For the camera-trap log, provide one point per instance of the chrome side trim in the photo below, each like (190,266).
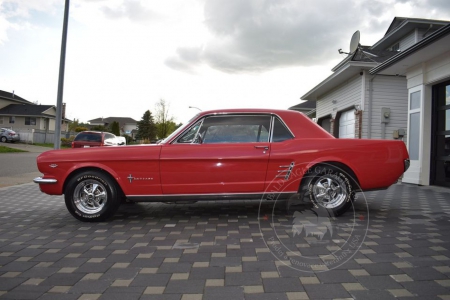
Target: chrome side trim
(286,173)
(272,122)
(40,180)
(208,197)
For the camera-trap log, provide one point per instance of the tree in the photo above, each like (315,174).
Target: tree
(115,128)
(146,127)
(78,126)
(100,128)
(164,122)
(171,127)
(80,129)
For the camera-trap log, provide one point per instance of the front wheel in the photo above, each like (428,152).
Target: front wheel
(91,196)
(331,188)
(3,139)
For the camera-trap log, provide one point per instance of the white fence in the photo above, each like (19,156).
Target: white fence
(33,136)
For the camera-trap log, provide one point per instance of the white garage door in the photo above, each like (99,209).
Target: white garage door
(347,125)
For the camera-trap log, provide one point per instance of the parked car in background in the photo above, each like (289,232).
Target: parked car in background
(121,140)
(225,154)
(88,139)
(8,135)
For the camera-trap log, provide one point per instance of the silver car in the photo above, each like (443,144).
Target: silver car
(8,135)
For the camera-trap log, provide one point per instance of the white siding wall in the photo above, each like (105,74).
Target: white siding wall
(129,127)
(52,124)
(391,92)
(408,40)
(430,72)
(346,95)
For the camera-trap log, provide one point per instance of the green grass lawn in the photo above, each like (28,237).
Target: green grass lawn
(4,149)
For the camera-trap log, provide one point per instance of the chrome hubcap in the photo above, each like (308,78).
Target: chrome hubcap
(90,196)
(330,191)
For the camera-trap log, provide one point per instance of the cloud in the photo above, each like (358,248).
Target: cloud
(133,10)
(23,14)
(262,35)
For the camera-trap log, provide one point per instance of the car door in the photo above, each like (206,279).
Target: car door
(219,154)
(282,162)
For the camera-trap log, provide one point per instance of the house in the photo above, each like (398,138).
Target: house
(126,125)
(398,88)
(20,114)
(306,107)
(426,66)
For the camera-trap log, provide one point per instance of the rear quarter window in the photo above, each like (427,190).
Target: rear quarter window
(88,137)
(280,132)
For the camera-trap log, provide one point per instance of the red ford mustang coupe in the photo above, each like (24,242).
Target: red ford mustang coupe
(224,154)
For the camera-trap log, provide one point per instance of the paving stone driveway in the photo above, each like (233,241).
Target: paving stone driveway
(214,250)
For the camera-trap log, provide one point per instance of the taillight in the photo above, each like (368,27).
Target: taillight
(73,145)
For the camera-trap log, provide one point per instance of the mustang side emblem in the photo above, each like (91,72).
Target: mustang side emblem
(53,165)
(131,178)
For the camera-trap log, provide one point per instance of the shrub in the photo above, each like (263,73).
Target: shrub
(67,142)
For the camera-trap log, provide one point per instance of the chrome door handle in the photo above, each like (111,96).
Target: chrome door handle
(262,147)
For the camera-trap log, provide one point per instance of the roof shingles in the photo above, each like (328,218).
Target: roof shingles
(25,110)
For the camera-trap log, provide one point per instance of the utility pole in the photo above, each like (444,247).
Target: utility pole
(62,63)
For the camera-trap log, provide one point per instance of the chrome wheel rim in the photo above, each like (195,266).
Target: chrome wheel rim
(90,196)
(330,191)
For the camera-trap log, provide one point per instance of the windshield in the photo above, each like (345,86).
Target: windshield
(179,129)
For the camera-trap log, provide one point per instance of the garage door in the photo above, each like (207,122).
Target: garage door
(347,125)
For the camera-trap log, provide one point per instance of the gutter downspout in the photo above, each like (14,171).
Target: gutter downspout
(369,125)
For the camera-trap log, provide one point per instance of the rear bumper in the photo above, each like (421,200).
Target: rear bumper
(407,164)
(13,138)
(40,180)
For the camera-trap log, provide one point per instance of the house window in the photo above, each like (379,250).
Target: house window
(1,120)
(30,121)
(395,47)
(12,120)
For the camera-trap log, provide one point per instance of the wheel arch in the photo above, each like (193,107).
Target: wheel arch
(78,171)
(353,178)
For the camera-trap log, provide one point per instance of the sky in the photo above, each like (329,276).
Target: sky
(123,56)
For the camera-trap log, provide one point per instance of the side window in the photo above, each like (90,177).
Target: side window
(280,132)
(190,136)
(235,129)
(80,137)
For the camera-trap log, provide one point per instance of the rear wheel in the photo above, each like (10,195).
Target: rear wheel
(330,188)
(3,139)
(91,196)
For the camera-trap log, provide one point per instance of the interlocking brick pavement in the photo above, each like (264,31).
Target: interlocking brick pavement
(214,250)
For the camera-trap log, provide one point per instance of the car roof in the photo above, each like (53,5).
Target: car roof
(88,131)
(300,125)
(247,110)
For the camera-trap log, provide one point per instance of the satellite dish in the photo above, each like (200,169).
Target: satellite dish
(354,42)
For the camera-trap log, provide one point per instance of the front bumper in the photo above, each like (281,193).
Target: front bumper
(40,180)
